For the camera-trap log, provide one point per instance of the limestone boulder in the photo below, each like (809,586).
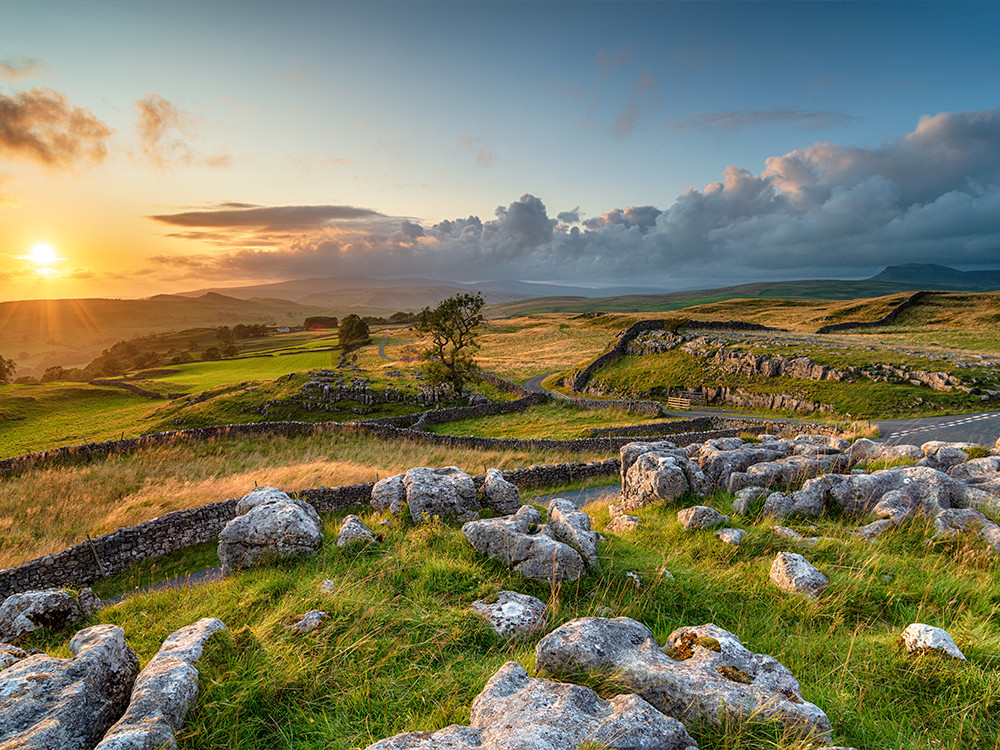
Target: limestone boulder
(978,470)
(572,526)
(718,463)
(747,497)
(164,692)
(447,492)
(353,530)
(513,615)
(968,520)
(660,475)
(499,495)
(805,445)
(629,452)
(518,712)
(792,470)
(700,517)
(921,638)
(524,543)
(621,522)
(47,702)
(272,528)
(793,574)
(11,654)
(864,450)
(702,673)
(26,612)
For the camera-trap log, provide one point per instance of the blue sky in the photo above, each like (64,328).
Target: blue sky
(156,146)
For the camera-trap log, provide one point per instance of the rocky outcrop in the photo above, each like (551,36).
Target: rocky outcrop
(513,615)
(11,654)
(499,495)
(789,471)
(164,692)
(353,530)
(653,472)
(270,525)
(516,712)
(447,493)
(47,702)
(968,521)
(702,674)
(794,574)
(920,639)
(25,613)
(524,543)
(865,450)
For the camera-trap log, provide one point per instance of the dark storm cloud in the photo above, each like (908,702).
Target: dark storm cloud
(932,195)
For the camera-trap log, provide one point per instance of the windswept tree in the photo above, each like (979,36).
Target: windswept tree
(353,332)
(7,368)
(453,326)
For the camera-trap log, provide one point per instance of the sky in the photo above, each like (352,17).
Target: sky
(154,147)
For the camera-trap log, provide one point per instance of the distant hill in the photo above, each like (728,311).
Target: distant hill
(73,331)
(892,280)
(931,276)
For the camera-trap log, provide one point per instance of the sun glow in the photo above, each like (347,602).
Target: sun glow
(43,254)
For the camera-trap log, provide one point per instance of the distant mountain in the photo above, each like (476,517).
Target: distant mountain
(931,276)
(336,290)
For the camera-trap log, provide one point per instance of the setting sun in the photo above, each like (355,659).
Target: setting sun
(43,254)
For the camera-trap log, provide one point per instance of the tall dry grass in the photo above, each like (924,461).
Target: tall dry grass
(47,510)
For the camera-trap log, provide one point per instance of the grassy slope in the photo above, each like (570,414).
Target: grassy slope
(403,652)
(46,510)
(555,419)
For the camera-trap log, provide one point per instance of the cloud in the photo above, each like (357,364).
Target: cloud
(479,147)
(15,68)
(741,119)
(43,127)
(930,196)
(165,134)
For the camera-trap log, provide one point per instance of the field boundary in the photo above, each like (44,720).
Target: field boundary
(889,317)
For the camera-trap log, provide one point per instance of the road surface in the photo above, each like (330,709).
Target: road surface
(983,429)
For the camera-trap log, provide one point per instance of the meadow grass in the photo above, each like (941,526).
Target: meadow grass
(45,510)
(402,651)
(557,420)
(48,415)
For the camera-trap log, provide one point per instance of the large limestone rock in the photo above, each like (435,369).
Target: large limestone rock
(513,615)
(572,526)
(920,638)
(968,520)
(67,703)
(271,526)
(24,613)
(164,692)
(518,712)
(792,470)
(653,472)
(863,450)
(447,492)
(500,495)
(806,445)
(523,543)
(794,574)
(723,457)
(702,674)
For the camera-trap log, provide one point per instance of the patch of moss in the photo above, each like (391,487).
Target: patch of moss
(684,648)
(734,674)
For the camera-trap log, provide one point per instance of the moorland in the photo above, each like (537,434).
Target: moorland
(401,650)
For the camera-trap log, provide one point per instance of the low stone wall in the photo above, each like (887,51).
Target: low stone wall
(884,320)
(646,408)
(105,555)
(580,378)
(504,385)
(698,424)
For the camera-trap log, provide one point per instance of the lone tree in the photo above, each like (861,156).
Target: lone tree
(353,332)
(453,326)
(7,368)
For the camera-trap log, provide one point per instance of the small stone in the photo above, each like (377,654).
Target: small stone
(308,622)
(513,615)
(792,534)
(635,579)
(920,638)
(352,530)
(328,587)
(666,573)
(796,575)
(700,517)
(622,524)
(731,536)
